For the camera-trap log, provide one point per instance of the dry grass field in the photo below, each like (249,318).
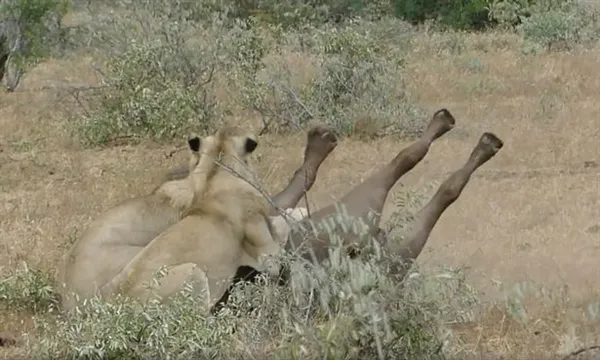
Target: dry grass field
(529,218)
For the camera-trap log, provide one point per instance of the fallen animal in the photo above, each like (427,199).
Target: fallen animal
(365,202)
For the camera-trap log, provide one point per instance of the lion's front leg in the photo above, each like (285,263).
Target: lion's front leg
(178,276)
(136,281)
(260,245)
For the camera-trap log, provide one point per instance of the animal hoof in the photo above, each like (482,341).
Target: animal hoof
(321,140)
(491,142)
(488,145)
(441,122)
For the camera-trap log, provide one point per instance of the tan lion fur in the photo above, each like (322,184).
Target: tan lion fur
(117,235)
(227,226)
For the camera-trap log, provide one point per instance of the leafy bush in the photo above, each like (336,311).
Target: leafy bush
(549,24)
(28,31)
(347,309)
(298,14)
(158,81)
(27,289)
(562,26)
(357,85)
(464,15)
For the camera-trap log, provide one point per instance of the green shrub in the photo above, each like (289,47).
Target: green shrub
(464,15)
(29,30)
(28,289)
(158,80)
(549,24)
(562,26)
(297,14)
(347,309)
(145,98)
(357,86)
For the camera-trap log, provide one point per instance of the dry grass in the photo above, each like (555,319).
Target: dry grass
(531,214)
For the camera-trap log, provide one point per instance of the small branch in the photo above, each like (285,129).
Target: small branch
(298,101)
(98,70)
(239,176)
(173,152)
(305,196)
(72,87)
(75,96)
(581,351)
(281,212)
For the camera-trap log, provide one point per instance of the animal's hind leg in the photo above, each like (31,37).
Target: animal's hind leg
(177,277)
(366,200)
(370,195)
(489,144)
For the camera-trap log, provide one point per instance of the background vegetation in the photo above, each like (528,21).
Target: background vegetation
(165,67)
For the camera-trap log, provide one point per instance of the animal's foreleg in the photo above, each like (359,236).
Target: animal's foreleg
(447,193)
(321,141)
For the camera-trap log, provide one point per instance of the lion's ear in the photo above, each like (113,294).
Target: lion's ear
(194,143)
(250,145)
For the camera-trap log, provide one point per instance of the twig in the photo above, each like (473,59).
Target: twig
(298,101)
(305,195)
(259,189)
(71,87)
(581,351)
(112,140)
(173,152)
(97,69)
(75,96)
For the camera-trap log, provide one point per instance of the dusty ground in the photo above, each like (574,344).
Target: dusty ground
(531,214)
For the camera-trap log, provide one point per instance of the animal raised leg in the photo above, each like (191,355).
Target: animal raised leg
(321,141)
(418,233)
(368,198)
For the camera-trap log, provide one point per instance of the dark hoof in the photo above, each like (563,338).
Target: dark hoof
(445,116)
(488,145)
(490,142)
(321,140)
(441,122)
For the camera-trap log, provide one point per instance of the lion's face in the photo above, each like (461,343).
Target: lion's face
(228,141)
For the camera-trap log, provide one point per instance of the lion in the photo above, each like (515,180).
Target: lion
(227,226)
(113,239)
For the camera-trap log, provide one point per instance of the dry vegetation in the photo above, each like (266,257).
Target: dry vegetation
(99,122)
